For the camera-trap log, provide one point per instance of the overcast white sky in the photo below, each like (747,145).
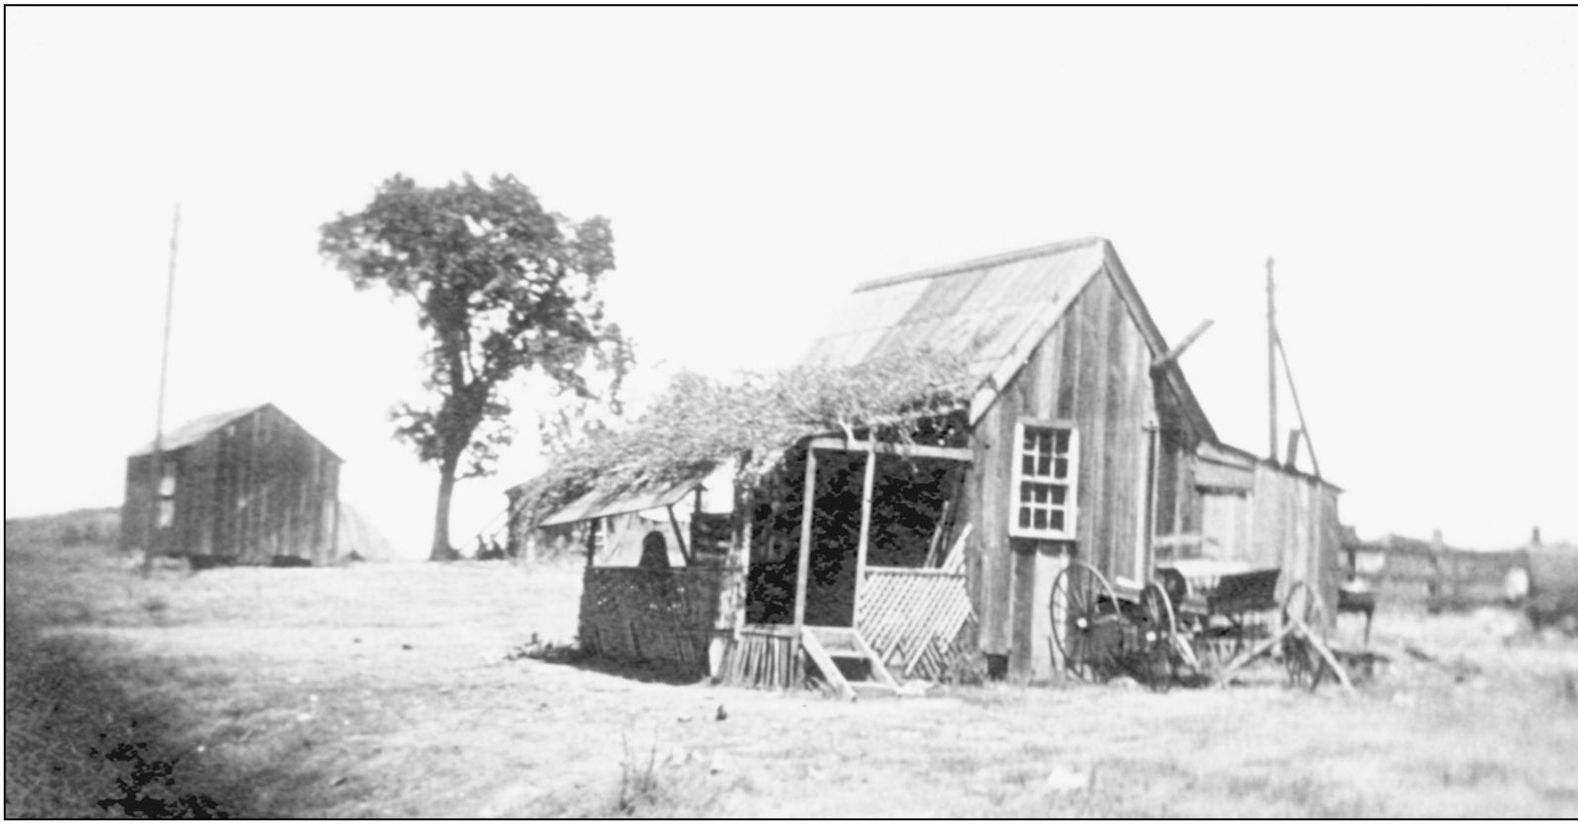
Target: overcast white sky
(1413,173)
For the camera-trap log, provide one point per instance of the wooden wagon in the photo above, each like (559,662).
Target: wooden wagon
(1200,619)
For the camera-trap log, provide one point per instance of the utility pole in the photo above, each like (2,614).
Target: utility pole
(1271,360)
(164,371)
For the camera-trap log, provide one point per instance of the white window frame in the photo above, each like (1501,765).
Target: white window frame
(168,478)
(1070,506)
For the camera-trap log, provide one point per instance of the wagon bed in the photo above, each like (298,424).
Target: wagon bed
(1208,617)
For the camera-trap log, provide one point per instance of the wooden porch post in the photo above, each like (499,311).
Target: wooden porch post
(806,508)
(865,532)
(733,582)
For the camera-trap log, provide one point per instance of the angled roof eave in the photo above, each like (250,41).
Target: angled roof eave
(195,430)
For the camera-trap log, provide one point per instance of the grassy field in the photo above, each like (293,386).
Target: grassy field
(393,690)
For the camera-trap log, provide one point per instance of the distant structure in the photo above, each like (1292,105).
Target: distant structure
(1406,572)
(248,486)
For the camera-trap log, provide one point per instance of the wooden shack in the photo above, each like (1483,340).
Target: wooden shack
(247,486)
(1081,441)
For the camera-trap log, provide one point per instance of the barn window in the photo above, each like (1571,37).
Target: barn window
(1046,468)
(167,494)
(167,480)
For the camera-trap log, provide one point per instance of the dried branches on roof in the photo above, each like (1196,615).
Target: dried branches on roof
(700,422)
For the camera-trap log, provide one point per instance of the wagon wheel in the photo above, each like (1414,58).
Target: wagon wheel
(1299,655)
(1162,641)
(1085,622)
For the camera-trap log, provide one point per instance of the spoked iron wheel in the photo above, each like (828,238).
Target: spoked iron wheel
(1304,664)
(1165,646)
(1086,623)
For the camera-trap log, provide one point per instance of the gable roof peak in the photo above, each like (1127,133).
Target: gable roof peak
(988,262)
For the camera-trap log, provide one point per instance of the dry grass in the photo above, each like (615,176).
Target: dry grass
(387,690)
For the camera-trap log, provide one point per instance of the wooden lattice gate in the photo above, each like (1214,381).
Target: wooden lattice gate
(912,617)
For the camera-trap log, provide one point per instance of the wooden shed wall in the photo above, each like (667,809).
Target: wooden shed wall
(1292,524)
(1094,369)
(254,489)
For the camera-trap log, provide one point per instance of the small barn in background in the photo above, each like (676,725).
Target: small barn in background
(245,486)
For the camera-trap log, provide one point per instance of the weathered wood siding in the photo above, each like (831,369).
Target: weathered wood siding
(1094,369)
(1295,527)
(256,488)
(670,615)
(1286,521)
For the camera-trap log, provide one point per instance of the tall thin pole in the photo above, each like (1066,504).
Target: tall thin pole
(164,373)
(1271,361)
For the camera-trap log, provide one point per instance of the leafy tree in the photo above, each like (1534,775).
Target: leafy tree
(503,287)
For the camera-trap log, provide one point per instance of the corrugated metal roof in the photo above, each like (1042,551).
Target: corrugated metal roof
(600,503)
(978,310)
(197,429)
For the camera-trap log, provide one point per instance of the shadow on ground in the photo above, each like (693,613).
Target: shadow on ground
(77,746)
(641,671)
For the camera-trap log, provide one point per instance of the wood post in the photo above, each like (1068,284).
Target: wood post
(865,533)
(158,429)
(1271,360)
(807,507)
(1148,515)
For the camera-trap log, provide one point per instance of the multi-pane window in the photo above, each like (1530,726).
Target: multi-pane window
(1045,471)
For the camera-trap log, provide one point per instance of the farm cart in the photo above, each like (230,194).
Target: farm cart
(1206,617)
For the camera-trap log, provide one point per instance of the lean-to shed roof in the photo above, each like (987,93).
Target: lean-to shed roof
(991,312)
(600,503)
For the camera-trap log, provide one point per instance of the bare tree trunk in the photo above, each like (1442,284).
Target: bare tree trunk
(442,552)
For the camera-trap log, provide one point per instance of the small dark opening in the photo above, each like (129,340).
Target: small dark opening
(996,666)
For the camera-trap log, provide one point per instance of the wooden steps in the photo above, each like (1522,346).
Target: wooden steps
(828,645)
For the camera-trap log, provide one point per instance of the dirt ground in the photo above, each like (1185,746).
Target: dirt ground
(391,690)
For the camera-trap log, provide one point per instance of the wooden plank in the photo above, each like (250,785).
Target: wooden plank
(1094,514)
(824,662)
(1047,566)
(954,561)
(995,432)
(1172,356)
(807,506)
(837,444)
(1068,373)
(863,545)
(878,670)
(1020,659)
